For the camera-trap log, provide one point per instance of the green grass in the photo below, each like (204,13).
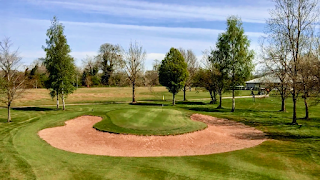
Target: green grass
(148,121)
(292,152)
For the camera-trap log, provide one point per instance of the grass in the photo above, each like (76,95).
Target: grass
(292,152)
(148,121)
(40,97)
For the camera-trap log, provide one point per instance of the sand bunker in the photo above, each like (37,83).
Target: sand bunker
(79,136)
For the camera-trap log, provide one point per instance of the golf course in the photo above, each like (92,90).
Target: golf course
(288,151)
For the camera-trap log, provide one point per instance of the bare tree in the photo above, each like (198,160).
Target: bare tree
(152,76)
(294,20)
(192,66)
(134,64)
(308,70)
(12,81)
(276,62)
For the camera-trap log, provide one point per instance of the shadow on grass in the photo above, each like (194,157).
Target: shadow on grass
(207,109)
(291,137)
(33,109)
(190,103)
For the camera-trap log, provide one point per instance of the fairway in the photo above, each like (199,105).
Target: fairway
(291,152)
(148,121)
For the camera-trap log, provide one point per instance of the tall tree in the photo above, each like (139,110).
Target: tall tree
(134,64)
(59,63)
(294,20)
(12,82)
(239,57)
(110,58)
(219,62)
(192,67)
(173,72)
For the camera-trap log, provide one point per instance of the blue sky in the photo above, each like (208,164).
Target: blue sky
(157,25)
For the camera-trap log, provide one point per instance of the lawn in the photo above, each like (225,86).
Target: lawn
(38,97)
(292,152)
(148,121)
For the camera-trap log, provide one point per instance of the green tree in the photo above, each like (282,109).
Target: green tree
(109,58)
(173,72)
(59,63)
(218,61)
(239,57)
(207,78)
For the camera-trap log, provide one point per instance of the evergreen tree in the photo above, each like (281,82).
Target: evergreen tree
(173,72)
(59,63)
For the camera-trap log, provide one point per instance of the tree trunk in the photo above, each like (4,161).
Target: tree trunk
(294,117)
(283,104)
(220,101)
(212,99)
(306,107)
(184,93)
(173,99)
(57,100)
(63,104)
(215,97)
(133,92)
(233,102)
(9,114)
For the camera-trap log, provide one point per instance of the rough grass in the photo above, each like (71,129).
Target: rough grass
(292,152)
(148,121)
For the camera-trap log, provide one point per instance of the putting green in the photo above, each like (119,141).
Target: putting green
(148,121)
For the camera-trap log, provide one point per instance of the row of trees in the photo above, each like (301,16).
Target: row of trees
(179,70)
(291,50)
(227,66)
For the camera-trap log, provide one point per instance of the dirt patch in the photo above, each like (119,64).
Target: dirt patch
(79,136)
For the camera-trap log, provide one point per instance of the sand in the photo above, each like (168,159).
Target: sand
(221,135)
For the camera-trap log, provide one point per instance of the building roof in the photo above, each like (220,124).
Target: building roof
(264,79)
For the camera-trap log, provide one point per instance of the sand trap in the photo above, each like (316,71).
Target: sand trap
(79,136)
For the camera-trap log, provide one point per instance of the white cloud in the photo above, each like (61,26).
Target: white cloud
(153,10)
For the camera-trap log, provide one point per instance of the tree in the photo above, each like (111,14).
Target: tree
(110,58)
(207,78)
(59,63)
(173,72)
(192,67)
(239,57)
(276,60)
(294,20)
(89,75)
(308,71)
(219,61)
(12,82)
(134,64)
(152,76)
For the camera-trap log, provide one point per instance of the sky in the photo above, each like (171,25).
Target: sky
(157,25)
